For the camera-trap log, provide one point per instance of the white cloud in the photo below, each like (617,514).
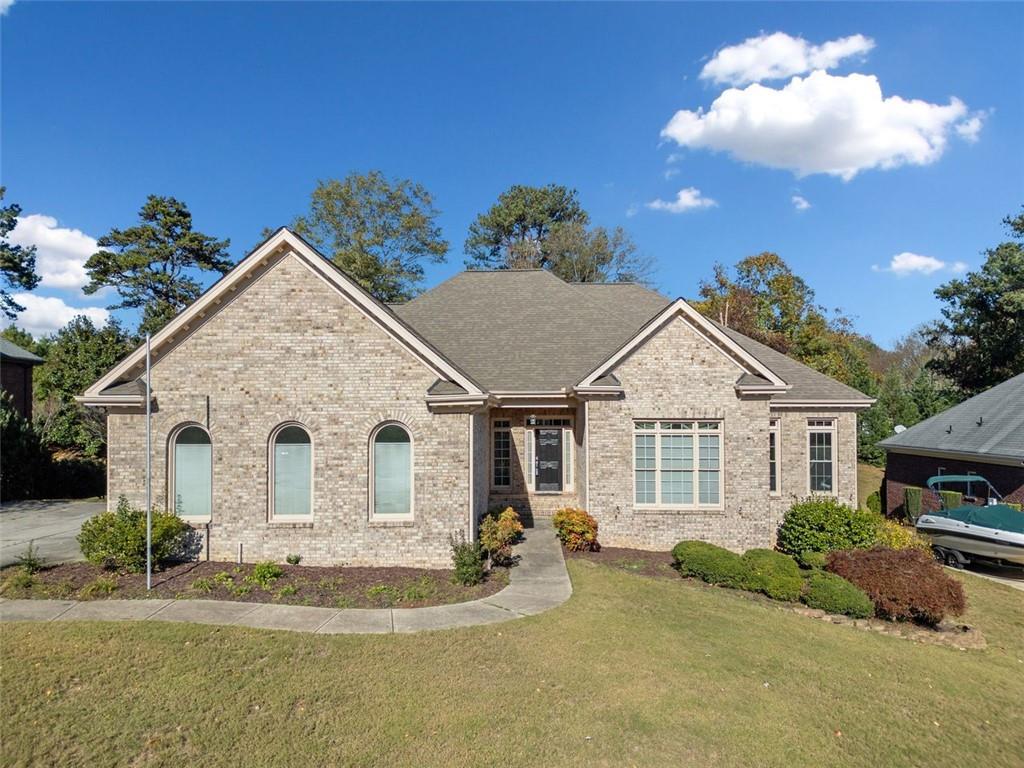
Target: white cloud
(670,173)
(969,129)
(906,263)
(778,56)
(61,252)
(800,203)
(820,124)
(5,6)
(632,210)
(47,314)
(687,199)
(675,157)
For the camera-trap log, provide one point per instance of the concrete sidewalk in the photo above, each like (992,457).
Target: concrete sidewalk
(538,583)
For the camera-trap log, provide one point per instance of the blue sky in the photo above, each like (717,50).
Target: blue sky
(238,108)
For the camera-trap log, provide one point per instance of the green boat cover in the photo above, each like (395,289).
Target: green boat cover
(943,479)
(995,516)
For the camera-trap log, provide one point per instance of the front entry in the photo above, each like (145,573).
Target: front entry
(549,460)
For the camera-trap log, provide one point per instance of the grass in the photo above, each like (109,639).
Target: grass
(632,671)
(869,479)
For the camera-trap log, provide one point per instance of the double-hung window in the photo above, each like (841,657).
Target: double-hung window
(501,468)
(774,479)
(677,463)
(821,468)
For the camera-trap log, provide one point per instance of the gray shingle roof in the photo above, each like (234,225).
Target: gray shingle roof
(445,387)
(528,330)
(134,387)
(990,425)
(11,351)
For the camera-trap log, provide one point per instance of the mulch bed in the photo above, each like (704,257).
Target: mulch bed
(639,561)
(332,587)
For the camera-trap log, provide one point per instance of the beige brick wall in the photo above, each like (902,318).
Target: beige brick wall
(290,347)
(680,375)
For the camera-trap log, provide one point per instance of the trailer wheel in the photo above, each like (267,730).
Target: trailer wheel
(940,554)
(953,559)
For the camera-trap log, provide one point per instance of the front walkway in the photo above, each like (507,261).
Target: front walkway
(538,583)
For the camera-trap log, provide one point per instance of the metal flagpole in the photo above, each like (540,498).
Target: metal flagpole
(149,475)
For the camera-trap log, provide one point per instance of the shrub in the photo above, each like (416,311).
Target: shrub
(499,530)
(874,502)
(265,574)
(895,536)
(98,587)
(30,559)
(293,559)
(951,499)
(773,574)
(709,563)
(912,503)
(576,529)
(904,585)
(202,584)
(825,524)
(811,559)
(117,540)
(467,561)
(834,594)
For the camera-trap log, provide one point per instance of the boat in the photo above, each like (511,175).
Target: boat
(979,528)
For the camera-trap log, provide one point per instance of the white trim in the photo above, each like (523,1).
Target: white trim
(938,453)
(823,404)
(702,326)
(372,516)
(586,452)
(111,400)
(530,456)
(286,242)
(472,489)
(170,458)
(657,505)
(272,478)
(568,464)
(511,445)
(833,432)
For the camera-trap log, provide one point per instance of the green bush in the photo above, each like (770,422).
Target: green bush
(951,499)
(709,563)
(874,502)
(499,530)
(834,594)
(117,540)
(811,559)
(576,529)
(825,524)
(912,503)
(264,574)
(773,574)
(467,561)
(293,559)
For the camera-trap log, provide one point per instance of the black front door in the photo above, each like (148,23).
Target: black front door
(549,459)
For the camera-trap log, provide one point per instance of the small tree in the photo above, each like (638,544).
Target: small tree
(17,262)
(379,232)
(150,264)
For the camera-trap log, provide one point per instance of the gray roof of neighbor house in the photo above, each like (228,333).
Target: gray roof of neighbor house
(989,425)
(11,351)
(530,331)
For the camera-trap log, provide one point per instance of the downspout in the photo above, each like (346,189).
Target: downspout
(472,490)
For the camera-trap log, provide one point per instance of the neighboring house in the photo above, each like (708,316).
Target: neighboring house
(294,413)
(983,436)
(16,366)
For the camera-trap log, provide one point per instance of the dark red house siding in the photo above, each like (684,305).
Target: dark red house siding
(903,469)
(16,378)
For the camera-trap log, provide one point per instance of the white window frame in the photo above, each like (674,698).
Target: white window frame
(272,490)
(696,432)
(374,518)
(775,436)
(505,427)
(822,426)
(171,473)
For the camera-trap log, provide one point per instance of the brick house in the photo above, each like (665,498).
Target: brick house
(983,436)
(16,366)
(294,413)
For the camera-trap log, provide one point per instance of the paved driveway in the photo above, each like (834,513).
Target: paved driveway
(51,525)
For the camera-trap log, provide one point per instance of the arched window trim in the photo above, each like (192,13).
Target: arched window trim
(271,442)
(372,474)
(172,441)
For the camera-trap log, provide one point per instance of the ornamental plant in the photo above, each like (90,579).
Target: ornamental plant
(499,530)
(117,540)
(576,529)
(773,574)
(834,594)
(824,524)
(467,560)
(710,563)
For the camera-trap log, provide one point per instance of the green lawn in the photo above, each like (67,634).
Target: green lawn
(631,671)
(869,478)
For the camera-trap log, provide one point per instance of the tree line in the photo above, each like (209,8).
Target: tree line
(382,232)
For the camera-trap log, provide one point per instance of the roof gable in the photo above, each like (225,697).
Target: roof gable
(282,243)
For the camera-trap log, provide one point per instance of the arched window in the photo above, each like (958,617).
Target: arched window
(191,473)
(391,467)
(291,473)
